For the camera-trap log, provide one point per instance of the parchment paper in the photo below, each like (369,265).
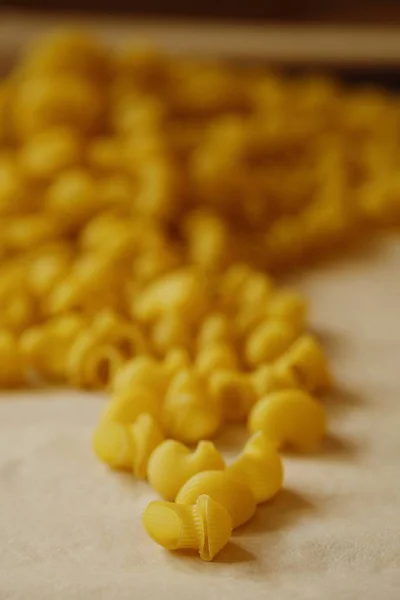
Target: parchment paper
(71,530)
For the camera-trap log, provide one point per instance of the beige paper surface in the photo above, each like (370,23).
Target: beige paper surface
(71,530)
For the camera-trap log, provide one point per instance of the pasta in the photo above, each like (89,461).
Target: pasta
(172,464)
(260,467)
(205,526)
(142,200)
(232,494)
(127,446)
(290,417)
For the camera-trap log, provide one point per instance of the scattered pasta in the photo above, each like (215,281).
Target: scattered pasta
(142,200)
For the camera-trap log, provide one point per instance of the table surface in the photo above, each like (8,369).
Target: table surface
(70,529)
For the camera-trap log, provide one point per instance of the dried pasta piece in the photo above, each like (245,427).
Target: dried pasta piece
(126,405)
(142,371)
(189,414)
(127,447)
(234,392)
(172,464)
(45,347)
(11,364)
(289,418)
(181,291)
(306,363)
(232,494)
(205,526)
(267,378)
(268,341)
(90,364)
(215,356)
(260,467)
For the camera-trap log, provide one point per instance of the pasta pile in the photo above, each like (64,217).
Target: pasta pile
(142,199)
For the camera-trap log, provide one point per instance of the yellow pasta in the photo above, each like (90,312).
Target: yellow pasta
(91,364)
(126,405)
(181,291)
(267,378)
(215,329)
(205,526)
(141,371)
(289,418)
(11,364)
(306,363)
(48,267)
(208,241)
(232,494)
(45,347)
(42,101)
(288,306)
(69,52)
(234,392)
(172,464)
(142,199)
(146,434)
(13,192)
(18,310)
(215,356)
(268,341)
(127,447)
(175,361)
(107,326)
(50,151)
(189,413)
(112,445)
(260,467)
(73,197)
(170,331)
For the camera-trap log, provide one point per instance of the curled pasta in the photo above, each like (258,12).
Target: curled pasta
(205,526)
(172,464)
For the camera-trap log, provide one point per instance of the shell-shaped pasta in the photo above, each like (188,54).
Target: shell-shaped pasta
(181,291)
(234,392)
(213,524)
(205,526)
(170,330)
(186,380)
(207,237)
(215,356)
(146,435)
(215,329)
(11,365)
(289,418)
(45,347)
(257,290)
(111,444)
(306,363)
(126,405)
(267,379)
(90,364)
(232,494)
(260,467)
(288,306)
(189,414)
(175,361)
(268,341)
(143,371)
(109,327)
(48,152)
(47,268)
(172,464)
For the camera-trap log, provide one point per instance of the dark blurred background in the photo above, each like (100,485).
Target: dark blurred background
(351,11)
